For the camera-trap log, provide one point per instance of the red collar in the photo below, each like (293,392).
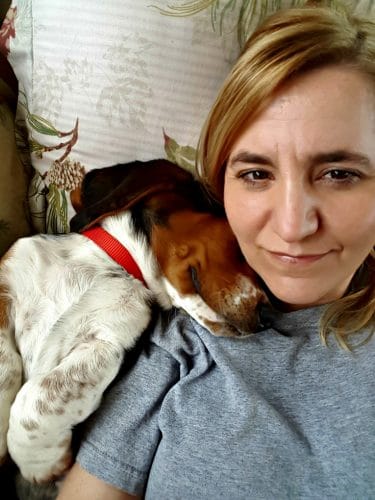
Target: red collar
(115,250)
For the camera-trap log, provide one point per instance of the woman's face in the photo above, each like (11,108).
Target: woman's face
(299,188)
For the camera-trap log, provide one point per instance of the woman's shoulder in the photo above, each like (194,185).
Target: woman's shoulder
(177,333)
(281,334)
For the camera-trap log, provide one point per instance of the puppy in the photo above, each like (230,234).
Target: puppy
(71,305)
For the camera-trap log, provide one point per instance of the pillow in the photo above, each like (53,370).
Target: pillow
(103,82)
(13,179)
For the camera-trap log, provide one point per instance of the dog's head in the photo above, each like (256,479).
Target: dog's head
(203,268)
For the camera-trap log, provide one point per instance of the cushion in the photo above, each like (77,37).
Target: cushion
(109,82)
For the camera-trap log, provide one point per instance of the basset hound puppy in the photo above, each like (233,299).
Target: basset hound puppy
(71,305)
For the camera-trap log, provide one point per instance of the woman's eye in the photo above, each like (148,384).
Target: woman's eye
(341,176)
(255,176)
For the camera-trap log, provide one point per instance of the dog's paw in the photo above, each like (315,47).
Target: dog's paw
(41,472)
(40,462)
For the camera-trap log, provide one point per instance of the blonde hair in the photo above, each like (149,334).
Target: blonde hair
(286,44)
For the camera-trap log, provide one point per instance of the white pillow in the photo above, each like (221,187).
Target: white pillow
(139,82)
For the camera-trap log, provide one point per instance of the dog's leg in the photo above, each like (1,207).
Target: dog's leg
(10,374)
(48,406)
(10,382)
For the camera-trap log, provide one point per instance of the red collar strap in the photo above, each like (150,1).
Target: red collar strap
(115,250)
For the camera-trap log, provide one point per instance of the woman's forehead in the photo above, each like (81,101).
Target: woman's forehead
(331,90)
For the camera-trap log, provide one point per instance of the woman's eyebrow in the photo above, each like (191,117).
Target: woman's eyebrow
(248,157)
(341,156)
(337,156)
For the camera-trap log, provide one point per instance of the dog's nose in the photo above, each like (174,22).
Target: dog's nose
(239,305)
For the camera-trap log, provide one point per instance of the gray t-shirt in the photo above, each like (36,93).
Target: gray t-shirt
(273,415)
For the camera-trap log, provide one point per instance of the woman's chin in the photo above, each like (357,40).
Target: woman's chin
(292,298)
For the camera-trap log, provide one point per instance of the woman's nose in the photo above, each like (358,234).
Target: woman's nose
(295,213)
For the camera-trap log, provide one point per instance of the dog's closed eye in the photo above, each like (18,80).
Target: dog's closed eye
(195,279)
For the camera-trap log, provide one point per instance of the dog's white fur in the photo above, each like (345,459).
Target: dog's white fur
(68,313)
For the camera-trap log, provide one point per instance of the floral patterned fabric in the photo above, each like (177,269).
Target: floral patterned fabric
(103,82)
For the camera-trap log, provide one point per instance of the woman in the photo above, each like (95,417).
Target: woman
(289,148)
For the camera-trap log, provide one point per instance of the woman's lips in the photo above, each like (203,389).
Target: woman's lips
(302,259)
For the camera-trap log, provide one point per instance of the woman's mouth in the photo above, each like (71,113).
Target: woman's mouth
(301,259)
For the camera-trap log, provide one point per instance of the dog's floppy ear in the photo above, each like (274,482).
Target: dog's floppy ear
(108,190)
